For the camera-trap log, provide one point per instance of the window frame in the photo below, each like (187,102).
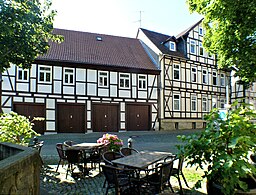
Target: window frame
(125,79)
(194,46)
(176,69)
(143,81)
(170,46)
(193,74)
(69,74)
(222,80)
(216,101)
(201,31)
(205,102)
(214,75)
(195,102)
(205,76)
(22,71)
(174,100)
(104,79)
(45,72)
(222,102)
(201,49)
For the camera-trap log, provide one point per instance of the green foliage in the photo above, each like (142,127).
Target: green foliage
(25,29)
(16,129)
(230,33)
(224,146)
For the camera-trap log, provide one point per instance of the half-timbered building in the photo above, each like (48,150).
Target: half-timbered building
(190,85)
(90,82)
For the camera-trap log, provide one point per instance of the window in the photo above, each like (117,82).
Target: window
(193,47)
(222,103)
(172,46)
(205,77)
(142,82)
(68,75)
(124,81)
(176,102)
(22,74)
(103,79)
(45,74)
(201,49)
(193,103)
(214,102)
(176,72)
(193,74)
(214,78)
(222,79)
(201,31)
(204,104)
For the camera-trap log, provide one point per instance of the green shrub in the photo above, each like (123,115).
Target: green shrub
(16,129)
(225,146)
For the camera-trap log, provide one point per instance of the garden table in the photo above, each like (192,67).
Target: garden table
(141,160)
(86,148)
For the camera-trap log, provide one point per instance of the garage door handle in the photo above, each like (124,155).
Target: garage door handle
(138,125)
(105,126)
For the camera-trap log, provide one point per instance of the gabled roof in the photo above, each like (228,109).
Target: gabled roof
(98,50)
(159,39)
(183,33)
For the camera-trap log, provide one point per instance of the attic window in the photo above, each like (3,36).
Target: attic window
(172,46)
(99,38)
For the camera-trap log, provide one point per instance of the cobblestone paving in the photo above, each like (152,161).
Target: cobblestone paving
(56,183)
(53,182)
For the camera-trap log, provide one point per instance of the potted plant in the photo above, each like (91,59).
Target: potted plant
(114,143)
(224,147)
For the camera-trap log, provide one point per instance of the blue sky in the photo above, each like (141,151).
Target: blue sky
(121,17)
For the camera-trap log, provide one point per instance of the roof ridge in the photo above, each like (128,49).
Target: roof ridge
(100,34)
(188,29)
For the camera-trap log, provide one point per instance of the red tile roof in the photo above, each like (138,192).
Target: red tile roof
(110,51)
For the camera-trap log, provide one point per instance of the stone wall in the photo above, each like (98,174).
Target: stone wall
(178,124)
(19,169)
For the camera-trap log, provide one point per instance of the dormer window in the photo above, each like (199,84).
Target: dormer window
(172,46)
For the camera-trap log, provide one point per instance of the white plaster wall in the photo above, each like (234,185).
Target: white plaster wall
(80,88)
(113,91)
(91,89)
(57,73)
(80,75)
(44,88)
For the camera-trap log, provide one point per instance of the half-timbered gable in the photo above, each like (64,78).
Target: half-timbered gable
(90,82)
(191,84)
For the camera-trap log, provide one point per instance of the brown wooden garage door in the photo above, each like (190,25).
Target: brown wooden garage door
(31,111)
(71,118)
(105,117)
(138,117)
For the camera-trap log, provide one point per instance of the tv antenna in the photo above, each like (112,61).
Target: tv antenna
(140,20)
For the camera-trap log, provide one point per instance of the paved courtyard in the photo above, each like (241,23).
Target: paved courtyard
(53,182)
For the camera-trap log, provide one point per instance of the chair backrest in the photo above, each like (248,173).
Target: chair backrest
(39,146)
(180,164)
(68,143)
(128,151)
(109,156)
(60,150)
(73,156)
(110,172)
(166,169)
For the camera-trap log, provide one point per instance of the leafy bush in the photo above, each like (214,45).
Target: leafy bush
(16,129)
(224,146)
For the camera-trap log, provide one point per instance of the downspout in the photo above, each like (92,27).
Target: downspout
(160,88)
(1,111)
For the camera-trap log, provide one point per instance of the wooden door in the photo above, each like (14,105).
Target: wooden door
(105,118)
(32,110)
(71,118)
(138,117)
